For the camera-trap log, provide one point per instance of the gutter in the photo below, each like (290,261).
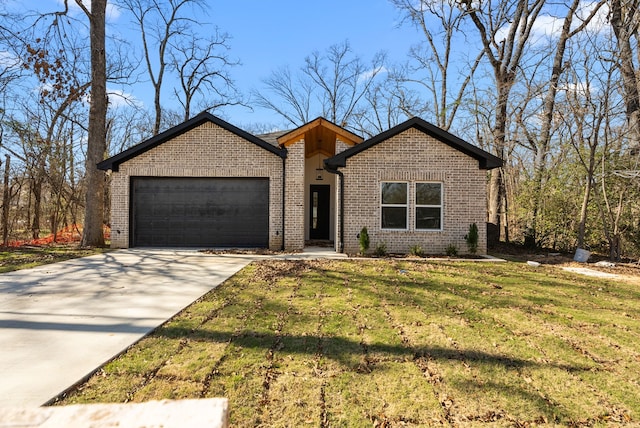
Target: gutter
(334,170)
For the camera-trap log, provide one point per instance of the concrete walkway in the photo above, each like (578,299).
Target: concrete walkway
(59,322)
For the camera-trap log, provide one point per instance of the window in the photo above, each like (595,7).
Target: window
(394,205)
(428,206)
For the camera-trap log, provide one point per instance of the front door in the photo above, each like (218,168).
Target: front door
(319,211)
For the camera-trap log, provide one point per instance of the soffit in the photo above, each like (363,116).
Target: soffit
(320,136)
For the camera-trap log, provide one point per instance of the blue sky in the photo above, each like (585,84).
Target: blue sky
(269,34)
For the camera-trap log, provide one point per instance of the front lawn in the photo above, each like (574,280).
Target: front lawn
(395,343)
(24,257)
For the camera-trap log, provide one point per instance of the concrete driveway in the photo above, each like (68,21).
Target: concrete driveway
(60,322)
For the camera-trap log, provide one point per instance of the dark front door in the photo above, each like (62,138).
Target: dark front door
(319,211)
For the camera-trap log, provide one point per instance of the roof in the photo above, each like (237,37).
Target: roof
(272,137)
(293,136)
(113,163)
(485,159)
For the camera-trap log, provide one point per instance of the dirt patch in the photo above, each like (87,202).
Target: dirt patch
(248,251)
(627,270)
(621,272)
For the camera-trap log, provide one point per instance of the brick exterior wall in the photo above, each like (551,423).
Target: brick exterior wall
(411,157)
(294,197)
(205,151)
(341,146)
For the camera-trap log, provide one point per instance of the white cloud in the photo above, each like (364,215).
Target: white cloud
(7,59)
(112,12)
(119,98)
(371,73)
(580,89)
(599,22)
(549,26)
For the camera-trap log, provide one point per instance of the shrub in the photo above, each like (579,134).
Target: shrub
(416,250)
(452,250)
(381,249)
(363,237)
(472,238)
(530,239)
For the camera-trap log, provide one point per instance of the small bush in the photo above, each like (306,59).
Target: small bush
(530,239)
(452,250)
(364,240)
(381,249)
(416,250)
(472,238)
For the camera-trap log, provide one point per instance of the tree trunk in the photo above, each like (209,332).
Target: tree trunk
(616,250)
(6,200)
(623,21)
(93,235)
(504,84)
(36,189)
(158,112)
(583,212)
(494,196)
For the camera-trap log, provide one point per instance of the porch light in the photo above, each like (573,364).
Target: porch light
(319,169)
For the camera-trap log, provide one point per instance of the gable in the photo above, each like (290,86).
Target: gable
(409,153)
(485,159)
(113,163)
(320,136)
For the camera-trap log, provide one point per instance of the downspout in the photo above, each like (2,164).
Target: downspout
(341,202)
(284,181)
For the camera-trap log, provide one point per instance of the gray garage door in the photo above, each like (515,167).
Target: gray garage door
(200,212)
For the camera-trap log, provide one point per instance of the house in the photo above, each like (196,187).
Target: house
(207,183)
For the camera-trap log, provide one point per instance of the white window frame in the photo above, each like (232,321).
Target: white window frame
(405,205)
(441,206)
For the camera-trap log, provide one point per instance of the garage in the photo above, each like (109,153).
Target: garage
(199,212)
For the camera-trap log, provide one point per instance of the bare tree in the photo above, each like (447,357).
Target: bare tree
(291,96)
(43,119)
(331,84)
(342,79)
(57,54)
(618,192)
(92,234)
(127,125)
(504,29)
(431,67)
(163,25)
(203,69)
(538,137)
(11,66)
(6,200)
(586,117)
(625,19)
(385,104)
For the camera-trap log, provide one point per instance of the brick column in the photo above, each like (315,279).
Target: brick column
(294,197)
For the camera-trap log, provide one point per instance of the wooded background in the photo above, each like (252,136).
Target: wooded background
(551,87)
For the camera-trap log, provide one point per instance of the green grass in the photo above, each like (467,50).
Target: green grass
(395,343)
(31,256)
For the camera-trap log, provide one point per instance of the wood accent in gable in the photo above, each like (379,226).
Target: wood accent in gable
(320,136)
